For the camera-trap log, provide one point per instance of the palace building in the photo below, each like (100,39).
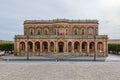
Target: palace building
(60,36)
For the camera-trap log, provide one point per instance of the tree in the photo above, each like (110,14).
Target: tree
(7,47)
(114,48)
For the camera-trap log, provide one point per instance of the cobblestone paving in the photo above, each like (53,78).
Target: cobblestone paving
(59,70)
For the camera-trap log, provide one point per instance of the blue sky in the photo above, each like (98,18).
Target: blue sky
(14,12)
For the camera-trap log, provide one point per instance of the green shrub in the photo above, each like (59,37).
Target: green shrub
(6,46)
(114,47)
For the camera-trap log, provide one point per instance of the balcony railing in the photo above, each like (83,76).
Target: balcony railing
(62,36)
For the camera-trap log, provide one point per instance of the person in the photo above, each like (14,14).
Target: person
(57,59)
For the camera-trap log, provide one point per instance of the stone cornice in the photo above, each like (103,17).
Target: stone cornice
(59,21)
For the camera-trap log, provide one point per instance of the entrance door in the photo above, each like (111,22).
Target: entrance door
(60,48)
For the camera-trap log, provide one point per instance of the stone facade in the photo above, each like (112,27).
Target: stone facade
(60,36)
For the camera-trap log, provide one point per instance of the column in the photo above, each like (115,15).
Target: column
(18,49)
(88,52)
(15,49)
(66,47)
(96,48)
(26,48)
(33,53)
(104,47)
(54,46)
(41,47)
(73,46)
(48,46)
(80,47)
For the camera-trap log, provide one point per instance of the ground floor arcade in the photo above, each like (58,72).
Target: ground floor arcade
(38,47)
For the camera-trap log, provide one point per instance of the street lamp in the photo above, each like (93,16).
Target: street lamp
(94,49)
(27,48)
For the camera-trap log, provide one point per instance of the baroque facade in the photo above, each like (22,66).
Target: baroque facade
(60,36)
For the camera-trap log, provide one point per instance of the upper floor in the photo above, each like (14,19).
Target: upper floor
(60,27)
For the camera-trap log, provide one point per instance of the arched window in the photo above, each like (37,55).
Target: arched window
(61,31)
(83,32)
(38,32)
(67,31)
(31,32)
(46,31)
(75,32)
(90,31)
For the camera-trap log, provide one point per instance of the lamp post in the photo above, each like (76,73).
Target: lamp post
(27,48)
(95,50)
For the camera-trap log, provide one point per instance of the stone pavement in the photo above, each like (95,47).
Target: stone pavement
(59,70)
(109,69)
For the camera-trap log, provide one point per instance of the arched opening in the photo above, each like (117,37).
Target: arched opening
(92,47)
(75,31)
(37,46)
(61,46)
(61,31)
(100,47)
(30,46)
(46,32)
(67,31)
(82,31)
(45,46)
(84,47)
(90,31)
(51,46)
(22,46)
(39,32)
(76,46)
(31,31)
(70,47)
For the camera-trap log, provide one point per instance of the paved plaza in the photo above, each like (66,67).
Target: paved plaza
(61,70)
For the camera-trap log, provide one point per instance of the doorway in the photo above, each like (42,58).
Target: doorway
(61,46)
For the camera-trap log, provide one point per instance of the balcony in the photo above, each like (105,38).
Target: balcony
(62,36)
